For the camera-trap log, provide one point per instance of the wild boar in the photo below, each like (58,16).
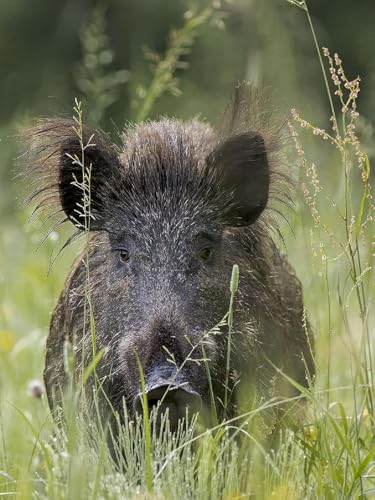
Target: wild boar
(170,212)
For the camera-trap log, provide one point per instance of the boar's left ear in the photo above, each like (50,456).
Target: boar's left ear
(243,169)
(56,169)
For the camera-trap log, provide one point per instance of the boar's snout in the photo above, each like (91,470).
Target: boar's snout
(172,394)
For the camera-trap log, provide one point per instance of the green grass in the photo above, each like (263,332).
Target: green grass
(330,455)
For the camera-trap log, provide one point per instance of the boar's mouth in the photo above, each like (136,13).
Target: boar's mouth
(169,391)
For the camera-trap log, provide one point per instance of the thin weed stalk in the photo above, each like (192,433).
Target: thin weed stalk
(82,219)
(147,429)
(233,291)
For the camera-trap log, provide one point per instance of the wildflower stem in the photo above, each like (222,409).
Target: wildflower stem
(321,65)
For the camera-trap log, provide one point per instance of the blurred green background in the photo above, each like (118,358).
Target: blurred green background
(49,56)
(264,41)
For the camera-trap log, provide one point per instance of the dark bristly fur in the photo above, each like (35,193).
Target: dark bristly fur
(184,203)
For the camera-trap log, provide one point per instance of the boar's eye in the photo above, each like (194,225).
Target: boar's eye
(124,255)
(205,253)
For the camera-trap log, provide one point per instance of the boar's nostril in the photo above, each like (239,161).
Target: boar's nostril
(176,399)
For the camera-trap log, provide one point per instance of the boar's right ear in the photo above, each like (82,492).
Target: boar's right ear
(242,166)
(56,168)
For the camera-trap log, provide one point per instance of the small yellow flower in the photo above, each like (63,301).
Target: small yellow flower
(285,492)
(7,340)
(367,415)
(310,432)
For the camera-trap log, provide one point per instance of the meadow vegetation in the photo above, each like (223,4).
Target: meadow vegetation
(330,240)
